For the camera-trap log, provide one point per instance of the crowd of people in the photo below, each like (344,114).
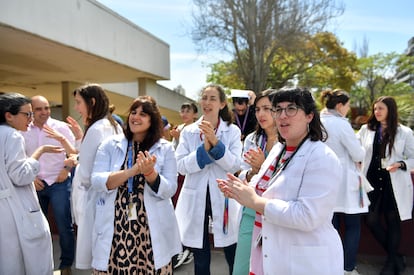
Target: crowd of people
(279,186)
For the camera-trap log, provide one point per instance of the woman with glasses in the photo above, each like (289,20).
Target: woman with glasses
(352,199)
(256,148)
(208,149)
(387,164)
(293,194)
(25,241)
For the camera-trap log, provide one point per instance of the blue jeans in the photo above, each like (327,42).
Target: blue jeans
(352,234)
(58,195)
(202,257)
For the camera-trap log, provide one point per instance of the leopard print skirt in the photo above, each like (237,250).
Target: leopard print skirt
(131,251)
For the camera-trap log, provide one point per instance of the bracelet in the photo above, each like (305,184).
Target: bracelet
(150,173)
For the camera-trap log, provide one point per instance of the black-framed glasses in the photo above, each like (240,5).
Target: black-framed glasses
(240,100)
(28,114)
(290,110)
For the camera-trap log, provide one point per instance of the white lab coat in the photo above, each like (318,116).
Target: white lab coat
(344,142)
(403,149)
(83,202)
(190,208)
(249,143)
(298,235)
(25,241)
(165,238)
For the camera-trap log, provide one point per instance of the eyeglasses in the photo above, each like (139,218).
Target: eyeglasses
(240,100)
(28,114)
(290,111)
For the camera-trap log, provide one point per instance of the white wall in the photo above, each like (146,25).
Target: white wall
(114,37)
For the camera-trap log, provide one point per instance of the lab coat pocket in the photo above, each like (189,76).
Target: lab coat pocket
(102,217)
(78,199)
(34,225)
(165,210)
(353,181)
(310,260)
(186,207)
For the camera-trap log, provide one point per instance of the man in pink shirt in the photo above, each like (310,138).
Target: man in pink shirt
(53,183)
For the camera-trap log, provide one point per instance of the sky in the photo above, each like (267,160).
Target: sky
(385,25)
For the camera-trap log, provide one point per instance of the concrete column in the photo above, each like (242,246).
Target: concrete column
(147,86)
(68,101)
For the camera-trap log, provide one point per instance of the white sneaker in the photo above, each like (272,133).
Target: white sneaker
(189,258)
(181,258)
(353,272)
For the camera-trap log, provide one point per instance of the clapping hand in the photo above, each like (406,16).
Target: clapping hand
(175,133)
(145,162)
(210,139)
(254,158)
(235,188)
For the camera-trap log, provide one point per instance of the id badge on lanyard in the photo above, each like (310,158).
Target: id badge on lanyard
(132,206)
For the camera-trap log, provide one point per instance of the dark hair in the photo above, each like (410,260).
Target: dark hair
(155,131)
(392,121)
(11,102)
(332,98)
(190,106)
(266,93)
(240,100)
(224,113)
(302,97)
(97,103)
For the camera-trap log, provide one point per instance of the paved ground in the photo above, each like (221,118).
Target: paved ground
(367,265)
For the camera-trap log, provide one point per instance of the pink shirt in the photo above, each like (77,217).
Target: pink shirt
(50,163)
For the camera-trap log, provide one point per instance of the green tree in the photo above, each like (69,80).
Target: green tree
(318,61)
(253,31)
(324,63)
(378,77)
(225,73)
